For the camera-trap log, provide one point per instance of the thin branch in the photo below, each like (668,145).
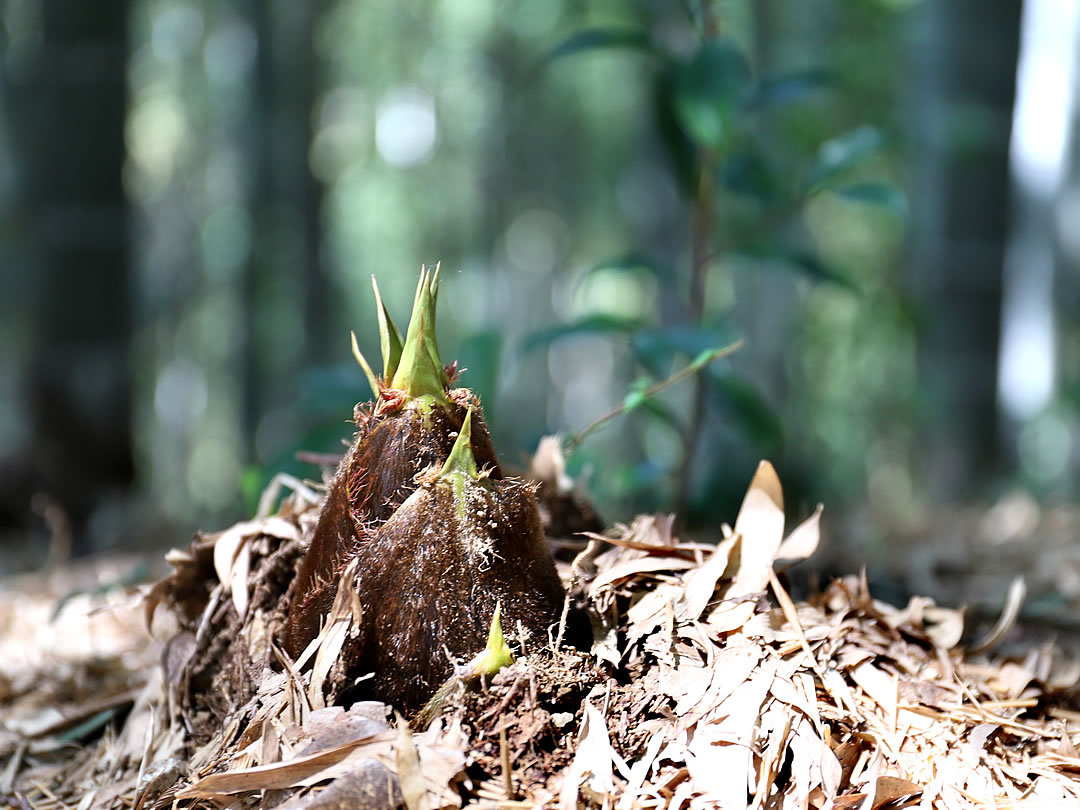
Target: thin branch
(700,254)
(702,215)
(695,366)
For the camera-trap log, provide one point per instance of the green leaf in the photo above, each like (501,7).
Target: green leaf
(390,340)
(709,89)
(631,261)
(420,372)
(592,324)
(592,39)
(662,413)
(373,381)
(747,410)
(252,483)
(884,195)
(790,88)
(801,263)
(747,173)
(87,727)
(703,358)
(633,400)
(678,148)
(841,153)
(654,348)
(431,303)
(461,460)
(496,654)
(637,395)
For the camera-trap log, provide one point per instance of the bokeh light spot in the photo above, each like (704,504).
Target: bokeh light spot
(405,127)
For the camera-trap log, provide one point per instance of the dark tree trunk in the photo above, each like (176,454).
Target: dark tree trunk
(285,267)
(67,99)
(302,81)
(964,57)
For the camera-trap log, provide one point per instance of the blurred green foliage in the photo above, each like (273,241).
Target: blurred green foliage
(710,108)
(551,155)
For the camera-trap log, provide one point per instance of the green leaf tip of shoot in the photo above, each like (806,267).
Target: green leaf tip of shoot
(461,459)
(373,381)
(420,371)
(497,653)
(489,661)
(389,335)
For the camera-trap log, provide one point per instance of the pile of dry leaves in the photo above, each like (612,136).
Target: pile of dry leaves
(706,685)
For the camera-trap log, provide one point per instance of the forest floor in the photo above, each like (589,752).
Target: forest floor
(707,684)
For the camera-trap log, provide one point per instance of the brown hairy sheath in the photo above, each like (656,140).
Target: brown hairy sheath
(390,449)
(433,537)
(431,577)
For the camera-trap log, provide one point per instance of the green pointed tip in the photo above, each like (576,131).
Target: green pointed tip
(430,306)
(461,459)
(420,371)
(433,286)
(373,381)
(497,653)
(389,335)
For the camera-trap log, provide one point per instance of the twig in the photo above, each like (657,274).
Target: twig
(701,236)
(510,695)
(270,495)
(791,613)
(562,623)
(504,751)
(701,244)
(695,366)
(318,459)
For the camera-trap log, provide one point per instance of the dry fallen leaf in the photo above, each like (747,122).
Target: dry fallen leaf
(232,558)
(592,766)
(413,786)
(761,525)
(700,583)
(719,687)
(801,543)
(297,772)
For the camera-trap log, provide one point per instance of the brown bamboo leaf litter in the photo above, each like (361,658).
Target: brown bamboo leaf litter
(704,684)
(839,700)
